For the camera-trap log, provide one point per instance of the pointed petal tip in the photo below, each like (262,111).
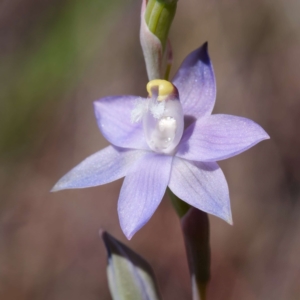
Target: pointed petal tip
(229,220)
(199,55)
(196,83)
(129,237)
(56,188)
(227,216)
(266,137)
(203,54)
(59,186)
(261,133)
(129,233)
(125,225)
(262,137)
(130,229)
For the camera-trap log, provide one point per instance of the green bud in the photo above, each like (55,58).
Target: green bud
(159,16)
(156,19)
(130,277)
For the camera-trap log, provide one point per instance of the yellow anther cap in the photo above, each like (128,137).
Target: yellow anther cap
(165,88)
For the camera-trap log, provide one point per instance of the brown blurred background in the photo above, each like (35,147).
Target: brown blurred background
(56,57)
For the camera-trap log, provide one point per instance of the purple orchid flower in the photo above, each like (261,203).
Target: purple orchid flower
(189,167)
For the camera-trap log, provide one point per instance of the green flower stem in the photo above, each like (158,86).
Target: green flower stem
(201,288)
(180,206)
(195,229)
(159,16)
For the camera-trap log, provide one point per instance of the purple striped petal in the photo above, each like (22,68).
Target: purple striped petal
(202,185)
(104,166)
(218,137)
(142,191)
(113,116)
(195,82)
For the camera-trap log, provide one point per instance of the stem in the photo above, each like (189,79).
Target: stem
(180,206)
(195,228)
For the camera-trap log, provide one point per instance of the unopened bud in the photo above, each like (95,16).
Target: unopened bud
(156,19)
(159,16)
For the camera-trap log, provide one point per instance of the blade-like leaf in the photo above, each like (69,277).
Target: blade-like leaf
(130,277)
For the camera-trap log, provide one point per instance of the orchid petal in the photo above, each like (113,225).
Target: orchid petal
(218,137)
(195,82)
(142,191)
(113,116)
(104,166)
(202,185)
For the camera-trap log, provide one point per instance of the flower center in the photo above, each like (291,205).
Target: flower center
(163,119)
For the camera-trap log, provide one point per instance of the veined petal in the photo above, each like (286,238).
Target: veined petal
(104,166)
(202,185)
(142,191)
(113,116)
(195,82)
(218,137)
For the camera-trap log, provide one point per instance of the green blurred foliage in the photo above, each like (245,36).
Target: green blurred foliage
(49,63)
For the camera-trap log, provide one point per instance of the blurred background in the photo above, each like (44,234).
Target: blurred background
(56,58)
